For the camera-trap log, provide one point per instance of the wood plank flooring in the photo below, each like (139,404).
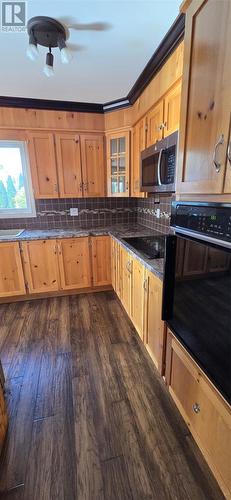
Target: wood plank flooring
(90,418)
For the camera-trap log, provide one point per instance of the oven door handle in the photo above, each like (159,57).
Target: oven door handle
(158,167)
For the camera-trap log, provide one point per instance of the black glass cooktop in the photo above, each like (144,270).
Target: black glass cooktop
(152,247)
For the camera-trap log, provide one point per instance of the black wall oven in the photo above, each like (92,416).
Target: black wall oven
(197,287)
(158,166)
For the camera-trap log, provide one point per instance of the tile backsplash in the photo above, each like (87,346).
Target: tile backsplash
(55,213)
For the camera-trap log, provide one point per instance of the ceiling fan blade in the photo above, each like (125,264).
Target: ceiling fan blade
(75,47)
(71,23)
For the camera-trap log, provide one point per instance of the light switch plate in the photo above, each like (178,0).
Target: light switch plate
(158,213)
(74,211)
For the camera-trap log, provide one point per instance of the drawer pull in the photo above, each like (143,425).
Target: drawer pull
(196,408)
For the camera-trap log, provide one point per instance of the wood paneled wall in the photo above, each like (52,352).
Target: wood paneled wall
(50,120)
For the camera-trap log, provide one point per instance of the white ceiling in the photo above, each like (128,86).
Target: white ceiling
(107,63)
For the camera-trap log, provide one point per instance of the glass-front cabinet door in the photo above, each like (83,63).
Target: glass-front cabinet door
(118,164)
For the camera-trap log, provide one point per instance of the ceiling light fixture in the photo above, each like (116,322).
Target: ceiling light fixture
(49,33)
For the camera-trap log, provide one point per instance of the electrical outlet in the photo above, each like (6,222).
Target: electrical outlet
(158,213)
(74,211)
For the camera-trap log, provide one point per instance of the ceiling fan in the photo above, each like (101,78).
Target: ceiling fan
(53,33)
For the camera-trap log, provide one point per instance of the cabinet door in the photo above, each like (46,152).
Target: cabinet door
(206,97)
(126,270)
(138,144)
(113,263)
(93,165)
(74,263)
(172,110)
(41,265)
(137,297)
(227,188)
(11,272)
(118,164)
(69,165)
(101,260)
(206,414)
(155,119)
(154,326)
(43,164)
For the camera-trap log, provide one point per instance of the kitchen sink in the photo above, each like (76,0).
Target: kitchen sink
(6,234)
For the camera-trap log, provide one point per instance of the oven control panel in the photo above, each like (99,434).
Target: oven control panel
(210,219)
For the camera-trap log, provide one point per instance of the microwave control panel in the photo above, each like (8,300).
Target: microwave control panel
(212,220)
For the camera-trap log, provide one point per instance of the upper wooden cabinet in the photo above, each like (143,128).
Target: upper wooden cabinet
(69,165)
(79,160)
(43,164)
(118,163)
(138,144)
(93,166)
(155,119)
(74,263)
(11,273)
(206,98)
(40,265)
(101,260)
(172,110)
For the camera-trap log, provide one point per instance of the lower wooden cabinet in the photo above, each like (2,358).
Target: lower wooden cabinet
(41,265)
(140,292)
(74,263)
(126,279)
(207,415)
(137,296)
(11,272)
(101,260)
(154,327)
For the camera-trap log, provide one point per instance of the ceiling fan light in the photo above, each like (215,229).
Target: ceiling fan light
(66,55)
(32,49)
(48,69)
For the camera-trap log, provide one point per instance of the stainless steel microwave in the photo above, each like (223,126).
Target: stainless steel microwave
(158,166)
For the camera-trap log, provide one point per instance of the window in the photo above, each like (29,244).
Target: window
(16,194)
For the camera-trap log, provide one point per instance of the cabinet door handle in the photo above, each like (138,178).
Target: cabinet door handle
(145,285)
(229,153)
(216,162)
(196,408)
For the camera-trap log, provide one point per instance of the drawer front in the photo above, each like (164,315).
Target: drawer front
(204,411)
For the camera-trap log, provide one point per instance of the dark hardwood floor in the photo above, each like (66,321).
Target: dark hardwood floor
(90,418)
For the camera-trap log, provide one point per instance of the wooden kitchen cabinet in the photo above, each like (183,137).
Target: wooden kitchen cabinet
(172,110)
(155,123)
(227,187)
(40,263)
(207,415)
(74,263)
(126,279)
(206,97)
(43,164)
(69,165)
(11,271)
(154,329)
(116,267)
(118,163)
(93,165)
(138,144)
(101,260)
(137,296)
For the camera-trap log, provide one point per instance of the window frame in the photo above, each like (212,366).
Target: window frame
(30,211)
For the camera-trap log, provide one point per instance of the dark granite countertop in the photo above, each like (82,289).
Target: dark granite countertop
(117,231)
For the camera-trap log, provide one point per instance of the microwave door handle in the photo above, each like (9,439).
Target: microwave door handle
(158,167)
